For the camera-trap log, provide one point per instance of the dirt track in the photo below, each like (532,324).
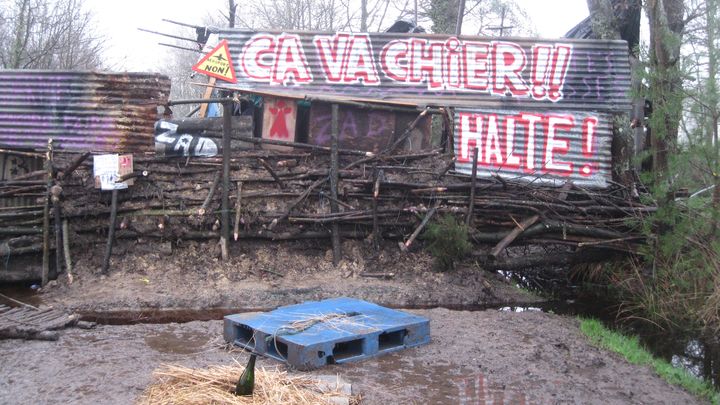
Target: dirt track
(474,358)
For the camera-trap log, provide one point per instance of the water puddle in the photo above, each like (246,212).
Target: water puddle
(177,342)
(693,354)
(19,292)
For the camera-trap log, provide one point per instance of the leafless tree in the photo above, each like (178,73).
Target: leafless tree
(48,34)
(308,15)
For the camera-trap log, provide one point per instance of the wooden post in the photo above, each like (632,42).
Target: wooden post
(66,250)
(227,130)
(55,192)
(473,181)
(376,195)
(334,169)
(46,215)
(111,231)
(208,94)
(238,206)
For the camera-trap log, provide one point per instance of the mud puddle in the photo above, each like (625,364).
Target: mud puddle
(689,352)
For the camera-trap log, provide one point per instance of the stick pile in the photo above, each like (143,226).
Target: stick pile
(289,195)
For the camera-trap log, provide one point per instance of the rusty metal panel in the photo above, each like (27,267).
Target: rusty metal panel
(12,166)
(536,146)
(434,69)
(368,130)
(80,111)
(358,129)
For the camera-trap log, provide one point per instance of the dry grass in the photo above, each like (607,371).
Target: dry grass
(181,385)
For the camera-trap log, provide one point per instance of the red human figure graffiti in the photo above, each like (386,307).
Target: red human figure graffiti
(279,126)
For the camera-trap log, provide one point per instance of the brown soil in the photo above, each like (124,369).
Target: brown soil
(505,357)
(193,276)
(474,357)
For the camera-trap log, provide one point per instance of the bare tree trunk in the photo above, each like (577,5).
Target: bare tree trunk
(232,7)
(363,16)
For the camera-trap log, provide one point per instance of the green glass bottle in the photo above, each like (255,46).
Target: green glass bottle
(246,383)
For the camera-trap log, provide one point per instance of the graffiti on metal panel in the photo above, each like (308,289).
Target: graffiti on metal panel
(280,112)
(170,143)
(553,145)
(494,67)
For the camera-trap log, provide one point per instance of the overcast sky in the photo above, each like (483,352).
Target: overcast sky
(133,50)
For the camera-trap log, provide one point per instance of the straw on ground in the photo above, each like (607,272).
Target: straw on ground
(213,385)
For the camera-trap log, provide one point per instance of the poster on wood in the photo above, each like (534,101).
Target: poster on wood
(107,169)
(279,117)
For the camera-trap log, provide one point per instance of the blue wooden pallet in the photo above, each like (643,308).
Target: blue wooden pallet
(316,333)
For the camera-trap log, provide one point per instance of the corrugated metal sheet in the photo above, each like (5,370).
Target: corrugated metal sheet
(577,74)
(368,130)
(80,111)
(567,145)
(12,166)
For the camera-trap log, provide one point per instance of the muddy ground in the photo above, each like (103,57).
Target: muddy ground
(474,357)
(262,275)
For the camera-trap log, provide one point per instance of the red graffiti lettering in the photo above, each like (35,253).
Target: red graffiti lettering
(277,59)
(258,57)
(545,138)
(475,65)
(588,146)
(332,51)
(553,144)
(509,62)
(426,62)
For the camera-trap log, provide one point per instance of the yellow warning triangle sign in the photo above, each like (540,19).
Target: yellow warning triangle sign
(217,63)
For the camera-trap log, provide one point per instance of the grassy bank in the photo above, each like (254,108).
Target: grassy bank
(630,348)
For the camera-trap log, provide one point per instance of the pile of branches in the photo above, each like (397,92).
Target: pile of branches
(287,195)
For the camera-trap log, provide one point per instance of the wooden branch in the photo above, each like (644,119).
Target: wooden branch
(132,175)
(512,235)
(334,178)
(473,183)
(275,273)
(377,275)
(406,134)
(111,231)
(208,198)
(304,146)
(405,246)
(62,173)
(66,250)
(46,215)
(272,173)
(376,194)
(346,205)
(295,203)
(55,198)
(444,171)
(238,207)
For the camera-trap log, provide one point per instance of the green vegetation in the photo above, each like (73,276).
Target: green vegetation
(447,241)
(632,351)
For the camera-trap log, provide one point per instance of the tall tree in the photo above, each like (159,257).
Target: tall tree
(667,21)
(48,34)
